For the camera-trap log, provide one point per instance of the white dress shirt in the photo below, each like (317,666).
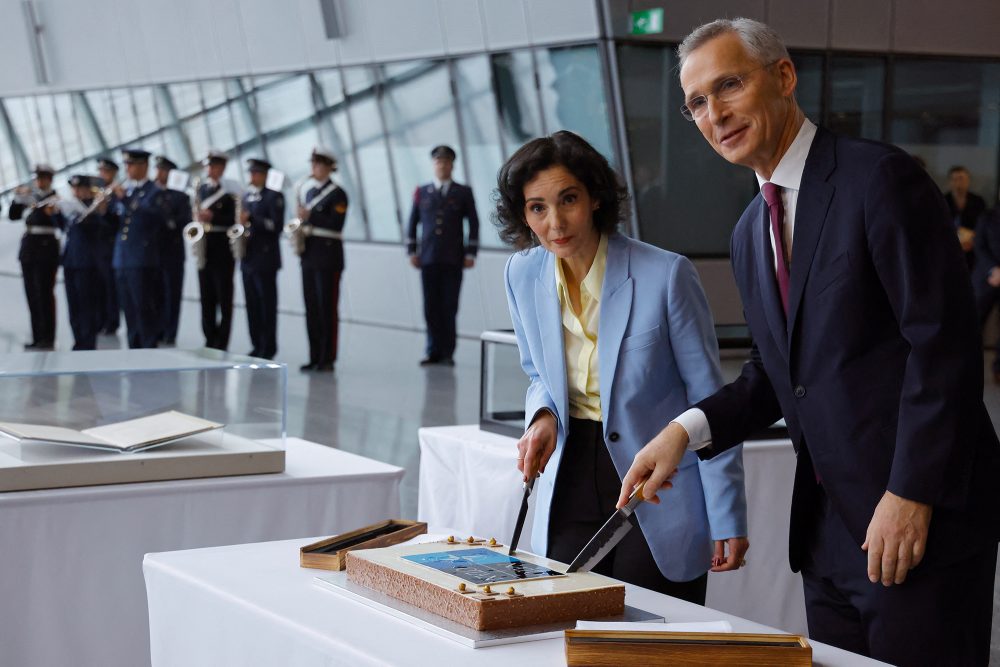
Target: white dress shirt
(788,176)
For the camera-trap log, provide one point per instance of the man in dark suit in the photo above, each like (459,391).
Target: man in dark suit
(84,223)
(965,208)
(322,213)
(178,213)
(217,212)
(39,254)
(107,169)
(136,259)
(986,273)
(442,251)
(264,216)
(866,342)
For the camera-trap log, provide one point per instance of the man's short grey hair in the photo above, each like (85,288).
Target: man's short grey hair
(762,42)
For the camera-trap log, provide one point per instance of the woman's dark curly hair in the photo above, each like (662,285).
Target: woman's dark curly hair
(564,149)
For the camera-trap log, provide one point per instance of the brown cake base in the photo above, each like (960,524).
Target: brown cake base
(478,610)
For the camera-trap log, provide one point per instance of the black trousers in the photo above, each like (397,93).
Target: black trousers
(987,298)
(173,290)
(215,283)
(321,292)
(941,615)
(111,319)
(40,291)
(137,289)
(442,284)
(85,298)
(261,291)
(585,495)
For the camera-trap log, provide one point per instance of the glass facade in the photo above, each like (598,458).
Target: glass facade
(944,110)
(380,120)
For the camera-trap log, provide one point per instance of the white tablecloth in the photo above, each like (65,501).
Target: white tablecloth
(71,587)
(469,482)
(252,605)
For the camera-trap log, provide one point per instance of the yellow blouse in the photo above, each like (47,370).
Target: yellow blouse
(580,336)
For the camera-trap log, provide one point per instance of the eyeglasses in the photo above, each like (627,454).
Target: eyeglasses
(726,90)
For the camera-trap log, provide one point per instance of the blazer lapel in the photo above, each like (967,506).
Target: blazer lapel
(811,210)
(549,316)
(770,298)
(616,306)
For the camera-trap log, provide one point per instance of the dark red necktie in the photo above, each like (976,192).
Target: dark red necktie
(772,195)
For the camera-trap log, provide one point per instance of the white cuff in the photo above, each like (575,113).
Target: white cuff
(695,423)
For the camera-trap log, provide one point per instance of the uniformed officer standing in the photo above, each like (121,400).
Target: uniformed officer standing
(442,251)
(136,258)
(217,212)
(107,169)
(264,215)
(85,226)
(178,213)
(39,254)
(322,213)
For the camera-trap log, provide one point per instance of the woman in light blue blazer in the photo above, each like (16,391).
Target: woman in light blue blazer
(617,339)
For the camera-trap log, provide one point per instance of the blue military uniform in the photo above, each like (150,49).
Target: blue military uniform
(261,263)
(322,265)
(39,257)
(215,280)
(112,312)
(177,211)
(442,248)
(81,261)
(137,256)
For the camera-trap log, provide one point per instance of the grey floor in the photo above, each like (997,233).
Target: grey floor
(376,400)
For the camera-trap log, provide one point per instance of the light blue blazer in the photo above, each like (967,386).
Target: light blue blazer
(657,356)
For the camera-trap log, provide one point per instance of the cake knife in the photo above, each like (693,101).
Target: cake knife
(521,516)
(610,534)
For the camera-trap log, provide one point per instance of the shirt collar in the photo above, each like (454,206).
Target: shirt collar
(788,173)
(439,184)
(593,282)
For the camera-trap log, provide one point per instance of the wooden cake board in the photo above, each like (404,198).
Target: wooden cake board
(338,583)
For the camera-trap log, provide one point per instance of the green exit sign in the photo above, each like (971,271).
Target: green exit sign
(648,22)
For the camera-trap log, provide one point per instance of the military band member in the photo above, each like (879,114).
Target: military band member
(178,213)
(322,211)
(264,214)
(85,225)
(215,280)
(39,254)
(136,258)
(441,253)
(107,169)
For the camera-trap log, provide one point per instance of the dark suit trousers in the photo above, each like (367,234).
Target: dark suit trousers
(442,284)
(112,310)
(585,495)
(321,292)
(40,290)
(173,288)
(142,313)
(216,284)
(939,616)
(261,291)
(987,298)
(85,298)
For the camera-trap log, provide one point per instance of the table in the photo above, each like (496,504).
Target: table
(252,605)
(469,482)
(71,587)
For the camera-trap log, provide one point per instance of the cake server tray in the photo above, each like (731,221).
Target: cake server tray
(444,627)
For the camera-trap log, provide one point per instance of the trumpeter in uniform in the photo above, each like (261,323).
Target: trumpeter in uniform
(107,169)
(322,213)
(85,224)
(216,210)
(441,251)
(263,216)
(39,254)
(177,212)
(136,258)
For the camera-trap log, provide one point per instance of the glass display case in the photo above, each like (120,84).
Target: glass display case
(79,394)
(502,384)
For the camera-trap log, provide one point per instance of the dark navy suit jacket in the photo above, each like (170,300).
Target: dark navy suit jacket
(83,247)
(878,369)
(140,229)
(267,219)
(442,236)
